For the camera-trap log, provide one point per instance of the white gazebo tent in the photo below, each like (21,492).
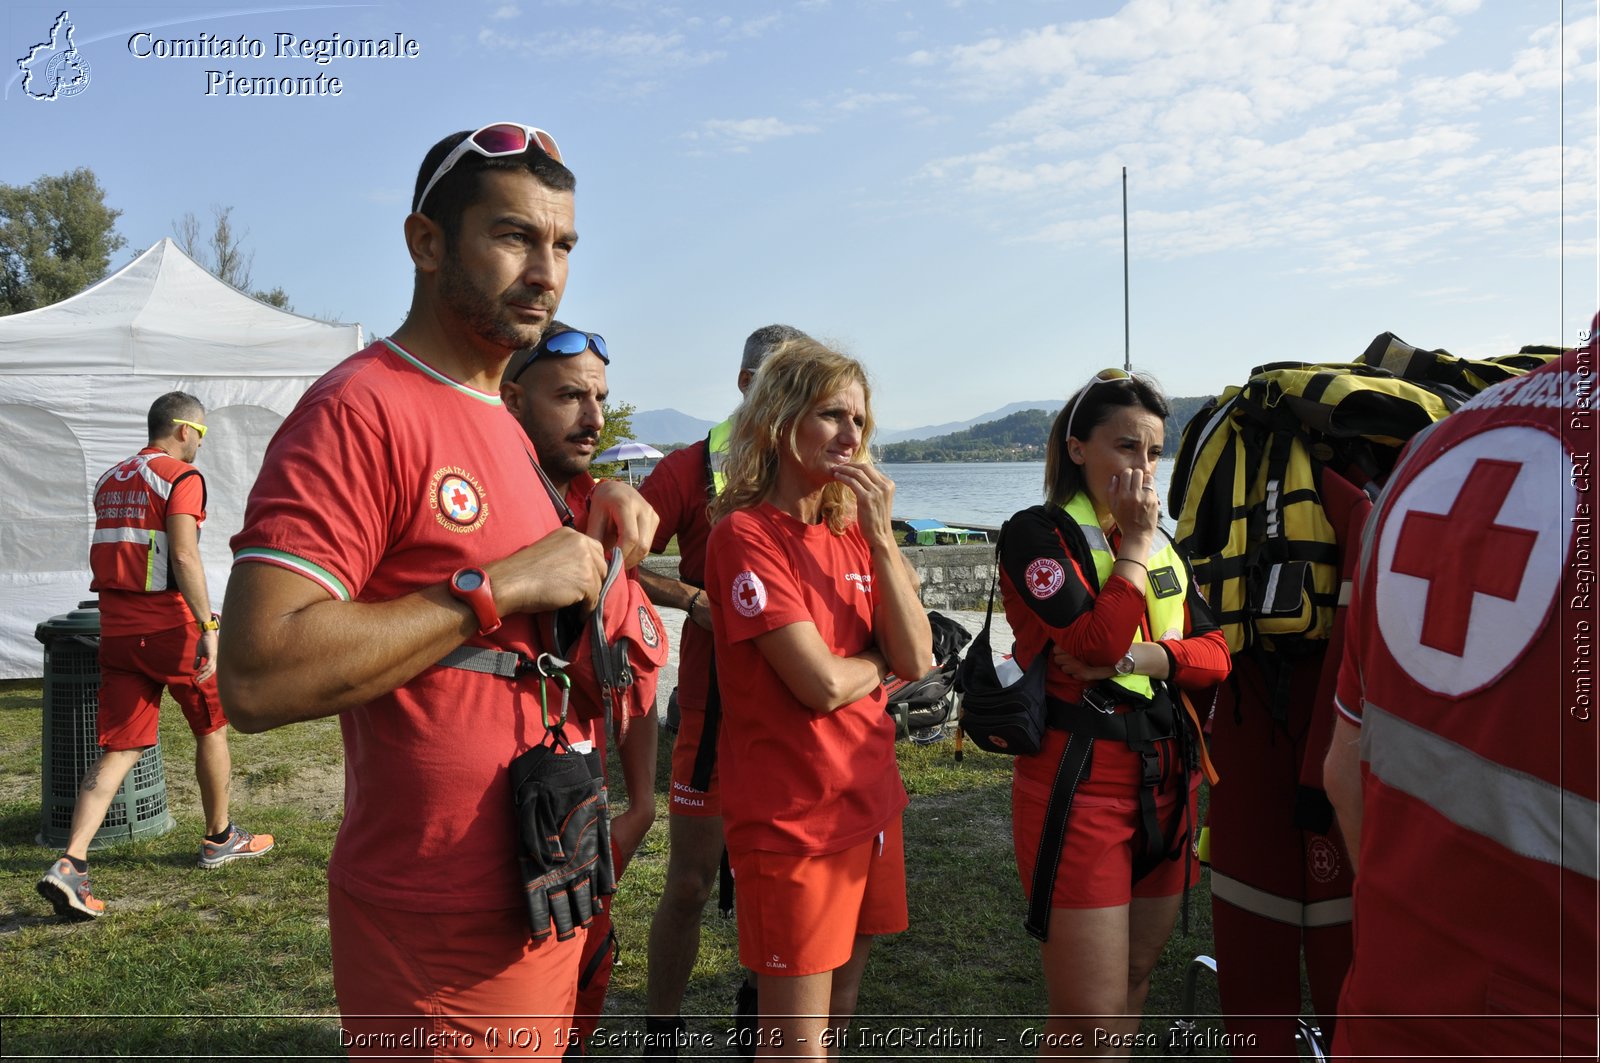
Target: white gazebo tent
(76,382)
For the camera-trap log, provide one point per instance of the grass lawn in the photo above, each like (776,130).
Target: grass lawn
(235,962)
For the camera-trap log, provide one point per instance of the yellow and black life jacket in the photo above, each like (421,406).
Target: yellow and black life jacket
(1245,486)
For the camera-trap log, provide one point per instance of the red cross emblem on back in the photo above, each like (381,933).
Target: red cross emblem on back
(1477,556)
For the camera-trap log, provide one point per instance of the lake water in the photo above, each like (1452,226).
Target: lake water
(962,493)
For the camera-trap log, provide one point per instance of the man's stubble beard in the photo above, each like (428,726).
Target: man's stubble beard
(481,312)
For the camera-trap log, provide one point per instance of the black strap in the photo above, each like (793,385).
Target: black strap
(1070,771)
(725,887)
(1141,729)
(994,581)
(980,650)
(1148,723)
(556,500)
(1152,766)
(607,953)
(705,754)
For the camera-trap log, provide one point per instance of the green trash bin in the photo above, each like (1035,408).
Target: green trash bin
(71,746)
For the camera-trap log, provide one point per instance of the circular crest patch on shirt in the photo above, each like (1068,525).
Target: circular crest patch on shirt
(647,629)
(1322,858)
(749,594)
(1045,577)
(457,500)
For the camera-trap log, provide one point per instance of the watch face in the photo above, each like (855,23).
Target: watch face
(469,580)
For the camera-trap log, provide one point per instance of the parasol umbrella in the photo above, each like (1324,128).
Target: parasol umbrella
(627,452)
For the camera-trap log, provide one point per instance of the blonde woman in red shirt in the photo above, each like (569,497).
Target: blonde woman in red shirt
(812,607)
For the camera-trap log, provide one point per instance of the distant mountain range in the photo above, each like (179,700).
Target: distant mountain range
(673,426)
(1016,437)
(665,427)
(933,430)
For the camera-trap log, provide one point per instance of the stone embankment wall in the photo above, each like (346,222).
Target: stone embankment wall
(953,577)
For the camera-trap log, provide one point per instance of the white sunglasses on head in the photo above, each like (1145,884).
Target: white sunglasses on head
(493,141)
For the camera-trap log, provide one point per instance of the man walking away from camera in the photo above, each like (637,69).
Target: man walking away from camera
(157,632)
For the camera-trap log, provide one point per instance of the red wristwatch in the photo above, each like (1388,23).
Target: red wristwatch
(471,585)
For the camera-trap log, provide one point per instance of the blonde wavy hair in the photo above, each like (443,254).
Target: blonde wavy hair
(795,377)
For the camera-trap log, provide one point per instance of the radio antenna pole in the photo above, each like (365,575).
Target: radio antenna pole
(1127,350)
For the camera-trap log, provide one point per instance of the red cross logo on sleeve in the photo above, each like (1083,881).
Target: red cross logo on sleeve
(1464,553)
(749,594)
(1044,577)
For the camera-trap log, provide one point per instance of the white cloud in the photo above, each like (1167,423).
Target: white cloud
(1346,129)
(756,27)
(861,101)
(631,50)
(739,134)
(505,12)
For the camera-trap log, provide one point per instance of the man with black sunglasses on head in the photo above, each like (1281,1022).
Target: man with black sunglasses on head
(398,515)
(557,392)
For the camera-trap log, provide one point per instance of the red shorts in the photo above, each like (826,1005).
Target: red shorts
(800,915)
(133,671)
(440,984)
(1096,869)
(686,800)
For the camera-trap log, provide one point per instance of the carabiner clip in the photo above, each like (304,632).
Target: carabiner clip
(549,666)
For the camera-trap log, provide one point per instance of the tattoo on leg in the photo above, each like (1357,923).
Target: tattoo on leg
(92,779)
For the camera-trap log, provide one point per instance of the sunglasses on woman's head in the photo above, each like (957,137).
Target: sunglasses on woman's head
(1105,376)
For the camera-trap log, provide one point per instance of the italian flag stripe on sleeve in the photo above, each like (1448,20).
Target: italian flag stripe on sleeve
(315,573)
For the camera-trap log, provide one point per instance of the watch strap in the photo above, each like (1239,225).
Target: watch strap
(480,599)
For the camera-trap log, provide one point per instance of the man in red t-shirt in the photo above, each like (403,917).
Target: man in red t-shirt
(398,514)
(557,393)
(1464,757)
(679,487)
(157,632)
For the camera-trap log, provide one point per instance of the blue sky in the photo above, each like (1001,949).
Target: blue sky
(934,185)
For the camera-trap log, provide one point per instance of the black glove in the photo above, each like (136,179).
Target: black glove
(565,846)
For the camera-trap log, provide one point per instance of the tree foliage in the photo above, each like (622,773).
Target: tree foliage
(1016,437)
(1021,436)
(618,428)
(223,253)
(57,236)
